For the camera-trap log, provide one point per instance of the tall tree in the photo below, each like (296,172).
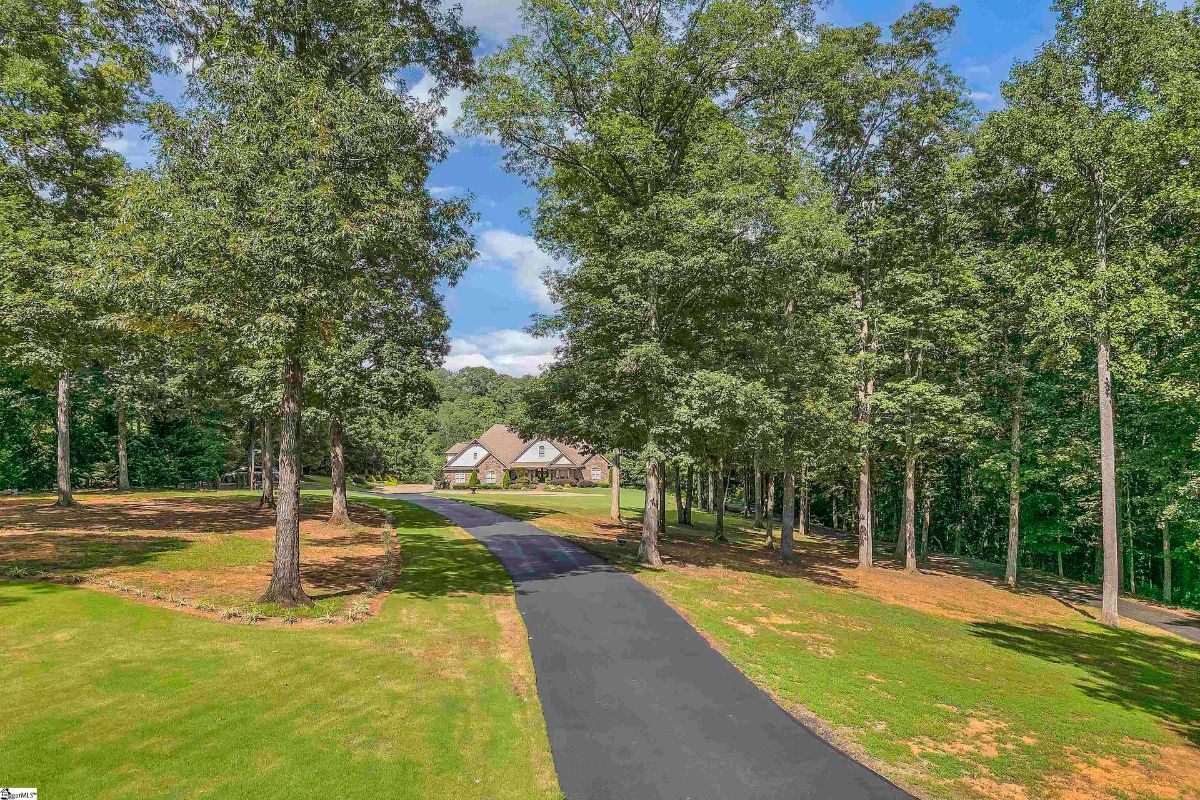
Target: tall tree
(71,74)
(377,358)
(1093,117)
(883,102)
(605,108)
(295,184)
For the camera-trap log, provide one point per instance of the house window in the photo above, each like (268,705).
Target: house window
(490,477)
(541,451)
(595,473)
(460,477)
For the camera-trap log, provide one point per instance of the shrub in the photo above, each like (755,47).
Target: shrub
(585,484)
(473,481)
(505,480)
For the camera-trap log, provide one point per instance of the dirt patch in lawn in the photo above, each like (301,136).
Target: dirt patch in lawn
(945,586)
(209,555)
(1170,773)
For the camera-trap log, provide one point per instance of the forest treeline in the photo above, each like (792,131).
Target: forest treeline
(798,251)
(189,442)
(801,264)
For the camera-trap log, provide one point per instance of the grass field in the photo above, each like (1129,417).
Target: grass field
(944,682)
(114,696)
(206,552)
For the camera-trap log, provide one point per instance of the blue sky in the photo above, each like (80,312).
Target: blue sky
(492,304)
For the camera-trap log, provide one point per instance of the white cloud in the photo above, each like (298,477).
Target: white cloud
(982,97)
(118,144)
(442,192)
(496,20)
(501,249)
(505,350)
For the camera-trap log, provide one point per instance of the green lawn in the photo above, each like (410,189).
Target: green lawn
(108,697)
(1000,704)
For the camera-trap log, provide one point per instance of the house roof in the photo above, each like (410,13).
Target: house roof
(505,445)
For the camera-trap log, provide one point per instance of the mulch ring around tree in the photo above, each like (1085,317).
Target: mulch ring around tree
(205,554)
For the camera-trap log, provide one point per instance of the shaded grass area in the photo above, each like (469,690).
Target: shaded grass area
(433,698)
(1016,697)
(210,551)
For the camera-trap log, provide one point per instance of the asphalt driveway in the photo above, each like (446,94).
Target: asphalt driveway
(638,705)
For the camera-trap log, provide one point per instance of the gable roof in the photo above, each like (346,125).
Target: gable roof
(455,449)
(503,444)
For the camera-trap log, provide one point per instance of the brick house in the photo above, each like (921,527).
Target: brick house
(542,460)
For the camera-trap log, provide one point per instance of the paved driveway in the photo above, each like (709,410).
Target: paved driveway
(638,706)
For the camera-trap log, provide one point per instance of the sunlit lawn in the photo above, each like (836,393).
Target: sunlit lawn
(944,682)
(107,696)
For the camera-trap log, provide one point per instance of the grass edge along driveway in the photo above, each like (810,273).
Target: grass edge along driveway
(949,706)
(435,697)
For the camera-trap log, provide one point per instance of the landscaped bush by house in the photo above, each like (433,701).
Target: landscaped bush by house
(506,481)
(473,481)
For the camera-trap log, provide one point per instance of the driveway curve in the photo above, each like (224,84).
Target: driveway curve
(638,705)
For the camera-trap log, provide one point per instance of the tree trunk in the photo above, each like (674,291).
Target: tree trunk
(337,461)
(746,492)
(680,514)
(1108,488)
(122,449)
(910,512)
(802,516)
(65,500)
(1014,487)
(691,496)
(712,498)
(662,505)
(285,588)
(614,494)
(926,514)
(648,548)
(866,536)
(268,466)
(719,501)
(866,387)
(758,493)
(769,513)
(787,516)
(1166,541)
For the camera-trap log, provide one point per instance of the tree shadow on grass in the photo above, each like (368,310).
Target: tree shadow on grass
(27,592)
(437,566)
(1155,674)
(54,552)
(213,512)
(816,560)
